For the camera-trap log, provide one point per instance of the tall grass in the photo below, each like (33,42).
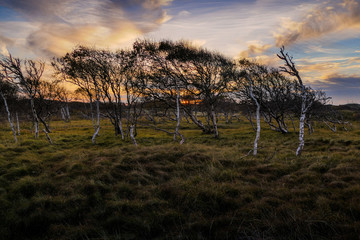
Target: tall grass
(204,189)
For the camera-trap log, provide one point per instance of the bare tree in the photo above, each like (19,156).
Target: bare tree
(195,72)
(258,127)
(273,91)
(306,101)
(6,89)
(27,75)
(112,68)
(162,83)
(79,68)
(243,87)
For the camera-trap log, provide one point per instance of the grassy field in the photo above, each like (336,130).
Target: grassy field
(203,189)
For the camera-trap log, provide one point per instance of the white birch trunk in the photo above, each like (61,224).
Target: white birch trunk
(35,117)
(258,128)
(216,132)
(97,122)
(95,134)
(132,134)
(177,114)
(67,112)
(92,114)
(17,124)
(9,116)
(47,136)
(331,128)
(302,124)
(62,111)
(195,120)
(121,129)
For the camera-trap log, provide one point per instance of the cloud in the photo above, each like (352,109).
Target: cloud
(4,43)
(342,88)
(254,48)
(328,17)
(198,42)
(258,52)
(184,13)
(60,25)
(152,4)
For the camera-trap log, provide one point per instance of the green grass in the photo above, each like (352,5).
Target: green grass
(204,189)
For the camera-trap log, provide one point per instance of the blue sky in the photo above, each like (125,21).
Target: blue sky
(323,36)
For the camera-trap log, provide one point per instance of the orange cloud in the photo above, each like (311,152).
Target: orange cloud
(61,25)
(57,39)
(254,48)
(328,17)
(4,42)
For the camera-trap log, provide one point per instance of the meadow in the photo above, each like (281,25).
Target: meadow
(204,189)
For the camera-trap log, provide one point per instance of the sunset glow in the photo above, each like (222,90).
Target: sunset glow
(323,36)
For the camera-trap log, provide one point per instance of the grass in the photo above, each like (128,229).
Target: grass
(204,189)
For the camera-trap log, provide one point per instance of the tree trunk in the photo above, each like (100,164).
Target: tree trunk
(92,113)
(62,111)
(132,134)
(197,122)
(17,124)
(186,117)
(292,121)
(35,117)
(9,116)
(250,120)
(67,112)
(226,115)
(46,125)
(216,132)
(301,125)
(121,129)
(47,136)
(258,128)
(177,114)
(331,128)
(257,116)
(97,122)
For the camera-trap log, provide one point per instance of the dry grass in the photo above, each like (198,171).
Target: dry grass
(204,189)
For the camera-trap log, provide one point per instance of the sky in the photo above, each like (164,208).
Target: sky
(323,36)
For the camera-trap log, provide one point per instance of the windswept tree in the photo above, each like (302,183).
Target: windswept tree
(184,70)
(111,69)
(26,74)
(80,68)
(47,101)
(273,92)
(243,88)
(7,90)
(306,99)
(161,82)
(64,97)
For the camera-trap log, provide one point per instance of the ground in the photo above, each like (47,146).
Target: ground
(204,189)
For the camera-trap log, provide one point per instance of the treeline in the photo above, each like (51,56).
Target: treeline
(167,79)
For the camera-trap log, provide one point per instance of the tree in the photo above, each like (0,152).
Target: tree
(7,89)
(306,99)
(244,87)
(80,68)
(26,74)
(191,71)
(273,91)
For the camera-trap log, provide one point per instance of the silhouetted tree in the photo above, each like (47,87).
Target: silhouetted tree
(306,99)
(27,75)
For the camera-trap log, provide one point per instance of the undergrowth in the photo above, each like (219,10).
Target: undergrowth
(204,189)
